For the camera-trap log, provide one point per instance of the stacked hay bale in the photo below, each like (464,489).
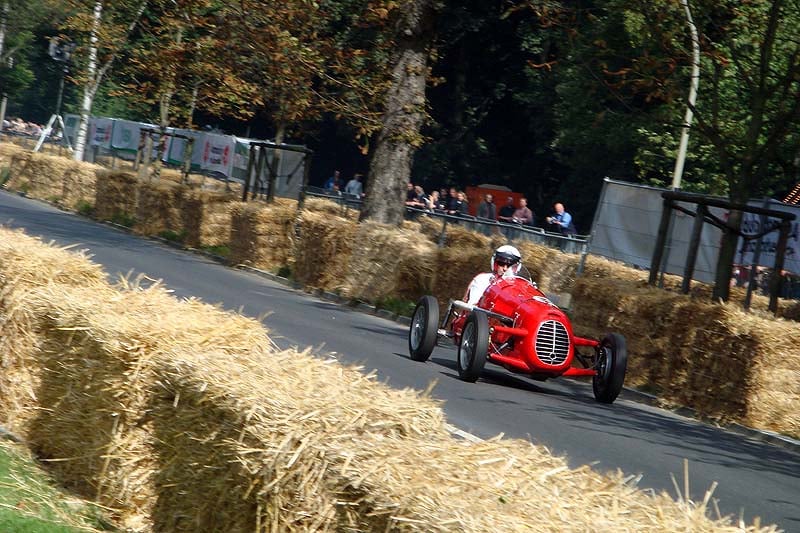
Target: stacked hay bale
(79,184)
(390,262)
(116,196)
(207,217)
(323,250)
(160,207)
(38,175)
(7,151)
(262,235)
(166,411)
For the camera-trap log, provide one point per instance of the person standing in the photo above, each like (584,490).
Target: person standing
(523,215)
(333,182)
(507,211)
(561,221)
(354,187)
(487,209)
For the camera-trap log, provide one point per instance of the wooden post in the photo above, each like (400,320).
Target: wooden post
(776,281)
(301,199)
(661,239)
(694,244)
(249,175)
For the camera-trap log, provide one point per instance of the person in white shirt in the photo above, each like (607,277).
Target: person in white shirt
(354,187)
(506,262)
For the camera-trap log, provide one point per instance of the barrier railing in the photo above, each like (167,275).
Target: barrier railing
(575,244)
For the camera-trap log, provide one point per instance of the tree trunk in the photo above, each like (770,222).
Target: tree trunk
(727,254)
(404,113)
(272,179)
(90,88)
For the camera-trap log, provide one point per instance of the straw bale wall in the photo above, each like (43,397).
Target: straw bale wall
(323,250)
(38,175)
(79,183)
(116,195)
(207,218)
(390,262)
(183,417)
(7,151)
(159,207)
(262,235)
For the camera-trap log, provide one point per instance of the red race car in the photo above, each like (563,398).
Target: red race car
(517,327)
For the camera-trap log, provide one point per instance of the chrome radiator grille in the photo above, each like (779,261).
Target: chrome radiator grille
(552,343)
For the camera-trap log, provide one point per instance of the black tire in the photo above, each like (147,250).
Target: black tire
(473,347)
(611,364)
(424,328)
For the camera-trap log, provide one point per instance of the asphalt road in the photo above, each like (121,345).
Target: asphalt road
(755,479)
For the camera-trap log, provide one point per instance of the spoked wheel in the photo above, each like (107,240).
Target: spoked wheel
(423,330)
(611,364)
(473,347)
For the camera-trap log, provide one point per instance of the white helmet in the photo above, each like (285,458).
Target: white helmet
(510,255)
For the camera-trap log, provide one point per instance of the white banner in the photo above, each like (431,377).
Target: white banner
(217,153)
(126,135)
(100,132)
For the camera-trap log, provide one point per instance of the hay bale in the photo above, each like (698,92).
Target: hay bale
(323,250)
(390,262)
(116,196)
(207,217)
(38,175)
(324,205)
(160,207)
(79,183)
(455,268)
(263,235)
(7,151)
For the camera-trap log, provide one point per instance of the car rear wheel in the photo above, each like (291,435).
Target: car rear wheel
(611,364)
(473,347)
(423,330)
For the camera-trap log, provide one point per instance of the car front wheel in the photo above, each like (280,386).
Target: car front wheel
(473,348)
(423,330)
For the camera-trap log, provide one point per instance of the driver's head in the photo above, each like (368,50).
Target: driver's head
(506,261)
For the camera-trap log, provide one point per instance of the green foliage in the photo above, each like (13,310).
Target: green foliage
(84,208)
(5,174)
(123,219)
(284,271)
(31,503)
(173,236)
(398,306)
(220,250)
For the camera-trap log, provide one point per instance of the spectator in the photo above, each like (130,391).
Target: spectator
(523,215)
(435,202)
(507,211)
(354,187)
(411,194)
(417,199)
(561,221)
(487,209)
(333,182)
(458,206)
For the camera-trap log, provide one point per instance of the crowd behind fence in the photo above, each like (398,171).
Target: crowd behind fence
(576,244)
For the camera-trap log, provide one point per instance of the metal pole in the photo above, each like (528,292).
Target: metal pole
(694,244)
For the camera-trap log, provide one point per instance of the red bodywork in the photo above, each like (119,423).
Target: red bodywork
(514,345)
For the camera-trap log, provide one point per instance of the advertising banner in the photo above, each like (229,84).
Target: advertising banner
(100,130)
(752,225)
(217,153)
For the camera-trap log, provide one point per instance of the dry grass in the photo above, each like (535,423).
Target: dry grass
(262,235)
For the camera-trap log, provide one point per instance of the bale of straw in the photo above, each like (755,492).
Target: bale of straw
(38,175)
(207,218)
(7,151)
(323,250)
(79,183)
(375,273)
(455,268)
(116,195)
(263,235)
(159,208)
(324,205)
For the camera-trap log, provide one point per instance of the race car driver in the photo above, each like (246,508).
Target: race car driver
(506,262)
